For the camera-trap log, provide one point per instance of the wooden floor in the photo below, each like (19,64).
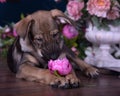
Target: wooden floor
(105,85)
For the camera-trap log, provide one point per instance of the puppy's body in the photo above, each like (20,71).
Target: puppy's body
(39,40)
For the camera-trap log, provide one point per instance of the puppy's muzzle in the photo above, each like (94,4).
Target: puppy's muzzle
(50,50)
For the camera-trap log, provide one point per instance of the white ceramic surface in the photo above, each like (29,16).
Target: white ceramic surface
(104,44)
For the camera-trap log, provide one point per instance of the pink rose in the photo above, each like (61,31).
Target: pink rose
(62,66)
(98,7)
(74,9)
(69,31)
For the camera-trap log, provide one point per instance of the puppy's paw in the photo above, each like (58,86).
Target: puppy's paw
(73,81)
(67,82)
(92,72)
(60,82)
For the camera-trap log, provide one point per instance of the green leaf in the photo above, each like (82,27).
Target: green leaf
(22,16)
(71,42)
(95,21)
(56,73)
(116,22)
(4,52)
(104,26)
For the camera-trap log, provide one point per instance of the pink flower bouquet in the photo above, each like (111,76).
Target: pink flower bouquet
(100,12)
(61,66)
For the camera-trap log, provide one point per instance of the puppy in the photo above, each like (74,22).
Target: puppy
(39,40)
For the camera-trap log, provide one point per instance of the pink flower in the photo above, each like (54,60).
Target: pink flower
(74,9)
(69,31)
(75,50)
(2,1)
(114,13)
(15,33)
(7,30)
(98,7)
(62,66)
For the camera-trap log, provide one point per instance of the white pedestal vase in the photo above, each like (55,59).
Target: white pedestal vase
(99,54)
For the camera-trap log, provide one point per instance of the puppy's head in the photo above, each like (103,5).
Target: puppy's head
(41,31)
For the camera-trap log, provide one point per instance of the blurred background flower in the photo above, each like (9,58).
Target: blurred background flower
(7,36)
(74,9)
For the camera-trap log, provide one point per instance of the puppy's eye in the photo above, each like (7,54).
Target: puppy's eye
(39,39)
(55,35)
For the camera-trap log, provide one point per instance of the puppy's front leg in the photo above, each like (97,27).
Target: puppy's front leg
(43,76)
(32,73)
(88,69)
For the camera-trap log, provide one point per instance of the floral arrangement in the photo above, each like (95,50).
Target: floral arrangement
(7,36)
(60,67)
(100,13)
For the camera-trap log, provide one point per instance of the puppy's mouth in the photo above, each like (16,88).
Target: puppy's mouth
(51,51)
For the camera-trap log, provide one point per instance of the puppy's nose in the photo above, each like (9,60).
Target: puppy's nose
(54,56)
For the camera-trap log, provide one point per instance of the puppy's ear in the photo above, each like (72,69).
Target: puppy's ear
(60,17)
(23,26)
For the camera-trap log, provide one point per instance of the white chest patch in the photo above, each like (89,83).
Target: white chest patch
(25,47)
(39,53)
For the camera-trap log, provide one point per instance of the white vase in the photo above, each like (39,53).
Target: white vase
(104,44)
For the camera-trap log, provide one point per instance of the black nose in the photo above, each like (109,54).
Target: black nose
(50,56)
(54,56)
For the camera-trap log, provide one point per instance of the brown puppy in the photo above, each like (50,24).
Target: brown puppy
(39,40)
